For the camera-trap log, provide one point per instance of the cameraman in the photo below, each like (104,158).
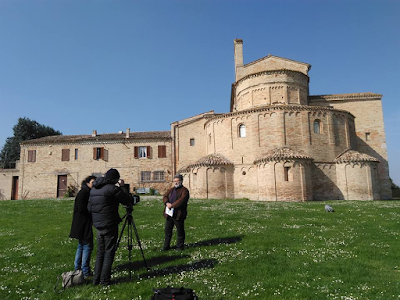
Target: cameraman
(105,197)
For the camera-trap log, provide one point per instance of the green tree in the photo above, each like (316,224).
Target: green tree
(25,129)
(394,186)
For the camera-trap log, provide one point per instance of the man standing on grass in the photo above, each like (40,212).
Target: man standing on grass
(105,197)
(81,228)
(175,212)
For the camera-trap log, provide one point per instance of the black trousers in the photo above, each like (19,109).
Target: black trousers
(180,228)
(106,247)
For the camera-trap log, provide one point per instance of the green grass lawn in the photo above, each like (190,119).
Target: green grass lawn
(237,249)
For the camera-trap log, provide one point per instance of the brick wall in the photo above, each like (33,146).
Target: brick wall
(271,87)
(358,181)
(266,130)
(367,109)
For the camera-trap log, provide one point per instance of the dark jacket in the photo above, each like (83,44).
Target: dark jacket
(81,227)
(180,204)
(104,200)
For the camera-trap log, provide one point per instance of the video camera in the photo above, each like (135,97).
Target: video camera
(135,199)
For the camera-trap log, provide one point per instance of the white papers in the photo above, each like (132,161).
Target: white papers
(169,211)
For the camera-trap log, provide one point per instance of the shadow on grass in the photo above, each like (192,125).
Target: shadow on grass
(155,261)
(201,264)
(216,241)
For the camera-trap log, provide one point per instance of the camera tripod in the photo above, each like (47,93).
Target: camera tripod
(131,226)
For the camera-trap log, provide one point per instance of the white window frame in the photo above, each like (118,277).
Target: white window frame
(242,131)
(142,151)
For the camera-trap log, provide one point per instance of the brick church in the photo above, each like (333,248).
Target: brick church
(277,143)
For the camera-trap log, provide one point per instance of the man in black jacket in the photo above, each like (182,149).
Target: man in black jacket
(104,201)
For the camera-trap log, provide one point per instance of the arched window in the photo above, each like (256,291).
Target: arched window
(317,126)
(242,130)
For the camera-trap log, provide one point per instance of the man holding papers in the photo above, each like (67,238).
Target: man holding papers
(175,201)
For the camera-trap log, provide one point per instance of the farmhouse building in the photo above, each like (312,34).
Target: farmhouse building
(277,143)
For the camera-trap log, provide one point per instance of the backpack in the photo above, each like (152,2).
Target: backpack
(70,279)
(170,293)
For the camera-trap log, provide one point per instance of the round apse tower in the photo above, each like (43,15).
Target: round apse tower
(271,80)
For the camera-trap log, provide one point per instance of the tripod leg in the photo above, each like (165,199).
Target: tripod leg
(130,246)
(122,231)
(139,244)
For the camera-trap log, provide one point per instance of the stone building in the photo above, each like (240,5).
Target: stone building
(52,166)
(277,143)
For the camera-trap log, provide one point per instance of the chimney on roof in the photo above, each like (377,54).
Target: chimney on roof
(238,43)
(128,132)
(94,133)
(238,53)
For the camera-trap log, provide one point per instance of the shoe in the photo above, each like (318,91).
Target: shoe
(88,276)
(164,249)
(105,283)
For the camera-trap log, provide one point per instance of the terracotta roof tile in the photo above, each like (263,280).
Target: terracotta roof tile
(214,159)
(279,107)
(283,153)
(354,156)
(367,95)
(55,139)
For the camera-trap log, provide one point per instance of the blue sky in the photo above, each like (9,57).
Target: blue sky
(111,65)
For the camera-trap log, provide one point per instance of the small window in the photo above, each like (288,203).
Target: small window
(31,155)
(145,176)
(286,171)
(242,130)
(100,153)
(76,154)
(192,142)
(209,138)
(162,151)
(317,126)
(158,176)
(142,152)
(65,155)
(368,136)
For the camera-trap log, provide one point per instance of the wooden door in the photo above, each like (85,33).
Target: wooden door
(62,185)
(14,189)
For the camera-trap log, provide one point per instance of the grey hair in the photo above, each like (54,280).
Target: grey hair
(179,176)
